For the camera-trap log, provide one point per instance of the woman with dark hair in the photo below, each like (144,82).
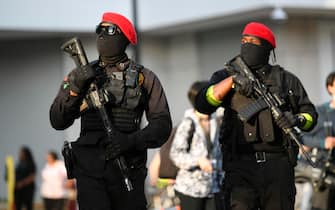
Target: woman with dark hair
(25,172)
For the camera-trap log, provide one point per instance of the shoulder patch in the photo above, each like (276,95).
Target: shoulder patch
(65,85)
(65,82)
(140,78)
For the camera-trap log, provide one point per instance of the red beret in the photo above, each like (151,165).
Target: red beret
(261,31)
(123,23)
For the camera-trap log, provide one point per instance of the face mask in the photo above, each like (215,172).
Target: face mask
(255,56)
(111,45)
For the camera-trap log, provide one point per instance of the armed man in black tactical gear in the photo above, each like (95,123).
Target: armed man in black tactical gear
(259,156)
(129,90)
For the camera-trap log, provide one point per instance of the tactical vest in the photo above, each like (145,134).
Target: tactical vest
(125,97)
(259,128)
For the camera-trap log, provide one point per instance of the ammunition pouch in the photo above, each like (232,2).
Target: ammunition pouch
(115,89)
(120,88)
(68,159)
(123,88)
(246,112)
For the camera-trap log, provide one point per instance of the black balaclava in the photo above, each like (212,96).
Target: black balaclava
(256,56)
(112,48)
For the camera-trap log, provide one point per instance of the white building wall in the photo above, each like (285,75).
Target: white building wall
(297,52)
(216,47)
(183,65)
(31,73)
(305,47)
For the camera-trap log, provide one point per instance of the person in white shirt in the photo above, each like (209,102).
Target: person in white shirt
(199,179)
(54,179)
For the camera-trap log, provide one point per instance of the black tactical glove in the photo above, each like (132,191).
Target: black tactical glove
(287,120)
(81,78)
(243,85)
(118,144)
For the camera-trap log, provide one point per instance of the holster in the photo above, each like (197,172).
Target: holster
(68,159)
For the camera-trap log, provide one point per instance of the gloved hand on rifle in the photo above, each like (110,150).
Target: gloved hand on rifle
(288,120)
(243,85)
(118,144)
(80,78)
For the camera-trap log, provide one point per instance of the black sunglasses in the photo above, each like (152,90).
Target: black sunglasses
(108,30)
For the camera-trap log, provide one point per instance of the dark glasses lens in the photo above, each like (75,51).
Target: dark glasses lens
(108,30)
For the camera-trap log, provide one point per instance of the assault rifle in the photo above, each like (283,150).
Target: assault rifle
(273,102)
(97,99)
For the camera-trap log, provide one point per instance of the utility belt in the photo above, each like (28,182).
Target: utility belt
(261,152)
(261,157)
(136,160)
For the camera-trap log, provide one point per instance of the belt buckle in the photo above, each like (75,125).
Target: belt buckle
(260,157)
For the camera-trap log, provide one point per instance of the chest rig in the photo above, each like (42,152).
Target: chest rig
(258,125)
(121,86)
(125,92)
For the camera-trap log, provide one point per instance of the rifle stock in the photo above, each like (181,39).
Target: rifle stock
(75,48)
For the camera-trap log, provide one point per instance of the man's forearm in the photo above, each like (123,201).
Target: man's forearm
(217,92)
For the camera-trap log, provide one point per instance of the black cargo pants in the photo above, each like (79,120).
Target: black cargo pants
(264,182)
(100,185)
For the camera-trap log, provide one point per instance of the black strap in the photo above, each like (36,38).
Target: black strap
(190,134)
